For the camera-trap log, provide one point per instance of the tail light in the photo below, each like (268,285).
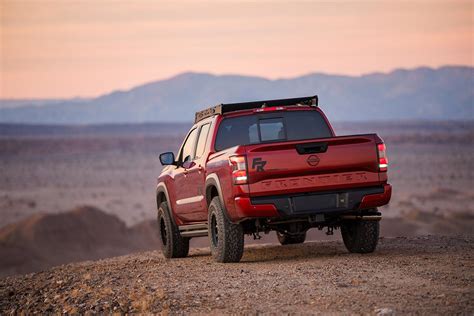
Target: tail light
(383,160)
(239,169)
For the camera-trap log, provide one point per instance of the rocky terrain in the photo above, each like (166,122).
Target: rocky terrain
(419,275)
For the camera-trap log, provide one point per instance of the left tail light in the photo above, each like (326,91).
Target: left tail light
(383,160)
(239,169)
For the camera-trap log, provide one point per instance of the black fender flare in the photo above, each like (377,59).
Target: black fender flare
(161,188)
(213,180)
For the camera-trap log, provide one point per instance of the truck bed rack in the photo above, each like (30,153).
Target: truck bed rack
(231,107)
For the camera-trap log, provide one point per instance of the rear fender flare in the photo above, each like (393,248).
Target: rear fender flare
(213,180)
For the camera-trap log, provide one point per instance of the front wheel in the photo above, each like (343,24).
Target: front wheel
(173,245)
(226,238)
(360,236)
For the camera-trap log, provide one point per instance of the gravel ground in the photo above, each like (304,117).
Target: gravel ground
(422,275)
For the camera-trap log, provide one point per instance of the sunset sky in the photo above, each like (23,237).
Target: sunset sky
(86,48)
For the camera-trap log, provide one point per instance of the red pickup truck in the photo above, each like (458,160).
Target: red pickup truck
(254,167)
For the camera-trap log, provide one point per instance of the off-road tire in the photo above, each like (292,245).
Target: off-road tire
(285,239)
(225,238)
(360,236)
(173,245)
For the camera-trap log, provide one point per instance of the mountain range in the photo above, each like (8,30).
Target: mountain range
(445,93)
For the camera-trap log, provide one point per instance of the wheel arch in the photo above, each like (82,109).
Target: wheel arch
(163,196)
(160,197)
(213,189)
(213,186)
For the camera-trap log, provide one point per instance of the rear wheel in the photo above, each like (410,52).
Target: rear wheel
(286,239)
(360,236)
(173,245)
(226,239)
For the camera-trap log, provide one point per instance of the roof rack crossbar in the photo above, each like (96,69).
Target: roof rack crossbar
(231,107)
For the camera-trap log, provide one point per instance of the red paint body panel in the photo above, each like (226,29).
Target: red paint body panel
(376,200)
(244,209)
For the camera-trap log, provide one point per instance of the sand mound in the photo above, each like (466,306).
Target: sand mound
(85,233)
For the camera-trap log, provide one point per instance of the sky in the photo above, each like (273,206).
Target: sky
(70,48)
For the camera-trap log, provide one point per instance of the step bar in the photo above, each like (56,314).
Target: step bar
(193,230)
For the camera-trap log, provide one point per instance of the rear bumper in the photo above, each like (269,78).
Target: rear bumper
(311,203)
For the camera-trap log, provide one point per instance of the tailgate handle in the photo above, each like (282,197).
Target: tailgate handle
(311,148)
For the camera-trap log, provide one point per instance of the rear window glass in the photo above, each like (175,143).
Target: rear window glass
(272,129)
(280,126)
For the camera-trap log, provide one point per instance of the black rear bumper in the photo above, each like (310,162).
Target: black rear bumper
(317,202)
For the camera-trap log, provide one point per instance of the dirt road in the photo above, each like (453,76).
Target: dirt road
(428,275)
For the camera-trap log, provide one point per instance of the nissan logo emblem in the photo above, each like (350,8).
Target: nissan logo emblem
(313,160)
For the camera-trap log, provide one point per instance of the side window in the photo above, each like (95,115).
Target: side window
(188,147)
(201,144)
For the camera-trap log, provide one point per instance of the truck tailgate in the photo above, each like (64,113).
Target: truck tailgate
(312,165)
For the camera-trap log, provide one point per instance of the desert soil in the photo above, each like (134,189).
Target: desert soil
(427,275)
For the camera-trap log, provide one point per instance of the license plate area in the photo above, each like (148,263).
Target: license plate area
(320,202)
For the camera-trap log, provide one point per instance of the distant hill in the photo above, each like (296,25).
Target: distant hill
(445,93)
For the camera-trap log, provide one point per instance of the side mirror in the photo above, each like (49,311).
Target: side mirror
(167,159)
